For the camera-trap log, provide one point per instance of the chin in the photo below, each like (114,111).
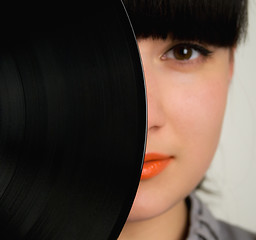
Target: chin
(158,196)
(145,208)
(143,213)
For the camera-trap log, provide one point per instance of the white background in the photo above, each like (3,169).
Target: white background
(232,175)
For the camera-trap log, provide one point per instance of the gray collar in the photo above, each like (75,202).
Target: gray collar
(202,223)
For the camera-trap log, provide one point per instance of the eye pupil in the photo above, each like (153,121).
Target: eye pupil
(183,53)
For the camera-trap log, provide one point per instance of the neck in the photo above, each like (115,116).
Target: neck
(173,224)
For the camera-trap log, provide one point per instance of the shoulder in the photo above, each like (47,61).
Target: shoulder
(203,225)
(228,231)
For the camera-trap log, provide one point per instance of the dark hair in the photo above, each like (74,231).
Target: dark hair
(216,22)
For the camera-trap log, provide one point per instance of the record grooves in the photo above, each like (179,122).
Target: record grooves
(73,127)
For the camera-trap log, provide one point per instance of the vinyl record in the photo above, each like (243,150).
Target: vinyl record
(72,126)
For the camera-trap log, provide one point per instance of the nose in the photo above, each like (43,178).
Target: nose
(155,104)
(154,90)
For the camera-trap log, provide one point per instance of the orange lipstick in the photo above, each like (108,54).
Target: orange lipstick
(154,163)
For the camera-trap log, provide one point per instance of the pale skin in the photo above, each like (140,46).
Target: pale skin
(186,105)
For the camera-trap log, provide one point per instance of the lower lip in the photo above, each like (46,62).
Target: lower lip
(153,168)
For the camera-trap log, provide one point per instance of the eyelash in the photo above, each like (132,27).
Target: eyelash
(202,51)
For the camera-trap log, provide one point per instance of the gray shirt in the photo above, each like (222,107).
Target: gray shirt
(203,226)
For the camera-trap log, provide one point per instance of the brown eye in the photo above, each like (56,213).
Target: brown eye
(182,52)
(186,52)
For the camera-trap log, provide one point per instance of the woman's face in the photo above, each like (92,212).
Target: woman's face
(187,85)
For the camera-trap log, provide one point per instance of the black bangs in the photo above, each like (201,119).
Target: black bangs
(215,22)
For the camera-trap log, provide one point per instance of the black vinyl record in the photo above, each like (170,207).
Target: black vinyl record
(72,126)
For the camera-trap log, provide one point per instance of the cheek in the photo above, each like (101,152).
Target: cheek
(203,108)
(197,113)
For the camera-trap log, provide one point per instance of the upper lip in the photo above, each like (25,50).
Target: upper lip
(155,156)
